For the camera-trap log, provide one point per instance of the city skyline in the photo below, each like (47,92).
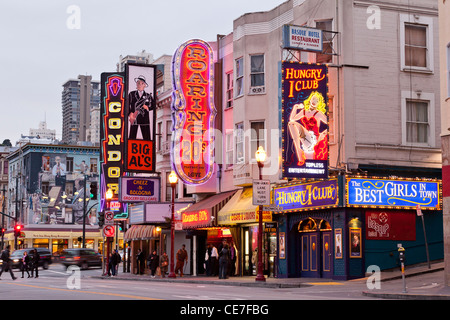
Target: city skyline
(41,37)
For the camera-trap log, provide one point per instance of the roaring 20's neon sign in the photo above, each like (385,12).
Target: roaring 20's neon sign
(193,112)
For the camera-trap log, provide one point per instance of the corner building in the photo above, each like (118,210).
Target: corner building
(384,130)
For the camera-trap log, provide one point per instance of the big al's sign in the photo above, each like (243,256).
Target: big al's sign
(305,120)
(112,132)
(193,112)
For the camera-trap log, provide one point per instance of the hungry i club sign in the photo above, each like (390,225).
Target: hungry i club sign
(193,112)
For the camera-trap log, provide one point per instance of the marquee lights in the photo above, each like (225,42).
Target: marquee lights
(304,120)
(193,112)
(112,132)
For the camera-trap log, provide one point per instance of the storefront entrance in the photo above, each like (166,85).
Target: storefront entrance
(316,248)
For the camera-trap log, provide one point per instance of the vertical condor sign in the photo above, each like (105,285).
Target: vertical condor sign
(193,112)
(112,132)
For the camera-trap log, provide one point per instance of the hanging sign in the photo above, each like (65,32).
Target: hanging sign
(193,112)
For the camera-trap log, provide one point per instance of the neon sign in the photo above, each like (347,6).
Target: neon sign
(112,129)
(305,120)
(193,112)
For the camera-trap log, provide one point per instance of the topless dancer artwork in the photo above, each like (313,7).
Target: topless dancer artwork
(305,120)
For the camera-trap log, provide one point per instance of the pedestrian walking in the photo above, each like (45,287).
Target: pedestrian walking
(25,264)
(223,261)
(214,265)
(114,260)
(7,262)
(182,257)
(164,264)
(153,262)
(140,261)
(35,263)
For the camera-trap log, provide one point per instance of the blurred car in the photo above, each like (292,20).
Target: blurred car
(45,257)
(84,258)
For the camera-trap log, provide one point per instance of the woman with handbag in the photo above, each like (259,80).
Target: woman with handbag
(164,264)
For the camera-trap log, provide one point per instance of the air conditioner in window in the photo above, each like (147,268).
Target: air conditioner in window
(258,90)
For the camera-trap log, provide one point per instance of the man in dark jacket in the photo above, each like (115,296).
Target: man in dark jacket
(35,263)
(6,265)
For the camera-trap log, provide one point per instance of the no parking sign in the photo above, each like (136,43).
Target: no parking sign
(108,231)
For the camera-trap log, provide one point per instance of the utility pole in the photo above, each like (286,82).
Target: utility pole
(3,217)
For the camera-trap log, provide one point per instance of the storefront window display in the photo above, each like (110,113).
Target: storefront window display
(40,243)
(58,245)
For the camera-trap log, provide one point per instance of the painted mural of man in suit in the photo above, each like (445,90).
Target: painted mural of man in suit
(140,105)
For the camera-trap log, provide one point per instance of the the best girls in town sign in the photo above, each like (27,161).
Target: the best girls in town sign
(193,112)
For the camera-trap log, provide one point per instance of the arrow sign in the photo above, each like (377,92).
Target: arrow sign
(109,218)
(108,231)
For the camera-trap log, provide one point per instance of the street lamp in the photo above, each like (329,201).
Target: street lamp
(108,196)
(260,156)
(173,179)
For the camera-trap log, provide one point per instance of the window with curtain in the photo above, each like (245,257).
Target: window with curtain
(415,45)
(229,89)
(417,123)
(239,77)
(257,70)
(239,142)
(257,137)
(229,149)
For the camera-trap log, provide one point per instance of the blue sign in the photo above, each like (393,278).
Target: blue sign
(306,196)
(393,193)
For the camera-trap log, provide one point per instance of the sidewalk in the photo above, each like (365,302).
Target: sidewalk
(436,291)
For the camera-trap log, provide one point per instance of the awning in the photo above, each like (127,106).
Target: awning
(199,215)
(141,232)
(240,209)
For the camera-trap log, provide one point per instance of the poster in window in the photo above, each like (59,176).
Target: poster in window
(338,243)
(355,243)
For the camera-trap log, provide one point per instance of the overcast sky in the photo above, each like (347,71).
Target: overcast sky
(43,44)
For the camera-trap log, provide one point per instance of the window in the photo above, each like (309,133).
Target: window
(327,50)
(69,164)
(415,45)
(93,165)
(239,142)
(257,70)
(418,119)
(416,42)
(5,167)
(256,137)
(239,77)
(417,127)
(229,149)
(229,97)
(159,136)
(448,70)
(169,131)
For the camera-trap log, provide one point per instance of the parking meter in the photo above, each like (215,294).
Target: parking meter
(401,254)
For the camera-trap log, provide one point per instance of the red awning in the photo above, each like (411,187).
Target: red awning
(199,215)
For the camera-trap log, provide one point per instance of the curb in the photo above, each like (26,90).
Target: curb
(406,296)
(213,282)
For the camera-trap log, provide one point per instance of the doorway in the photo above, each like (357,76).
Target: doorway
(316,248)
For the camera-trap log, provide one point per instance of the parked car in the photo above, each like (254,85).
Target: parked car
(84,258)
(45,257)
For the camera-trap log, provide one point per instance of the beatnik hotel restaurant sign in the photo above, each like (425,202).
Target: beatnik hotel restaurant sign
(304,120)
(393,193)
(193,112)
(112,134)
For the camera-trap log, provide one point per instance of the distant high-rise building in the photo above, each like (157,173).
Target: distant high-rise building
(43,132)
(142,58)
(79,97)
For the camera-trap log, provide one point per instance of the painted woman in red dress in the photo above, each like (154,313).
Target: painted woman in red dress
(304,128)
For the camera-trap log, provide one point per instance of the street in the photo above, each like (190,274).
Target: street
(57,284)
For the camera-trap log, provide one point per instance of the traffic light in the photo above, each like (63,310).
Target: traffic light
(93,192)
(17,230)
(2,232)
(122,226)
(101,219)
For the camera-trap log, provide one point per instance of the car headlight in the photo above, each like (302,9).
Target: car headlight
(16,260)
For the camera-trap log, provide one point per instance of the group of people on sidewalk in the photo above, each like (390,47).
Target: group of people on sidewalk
(30,262)
(222,261)
(160,265)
